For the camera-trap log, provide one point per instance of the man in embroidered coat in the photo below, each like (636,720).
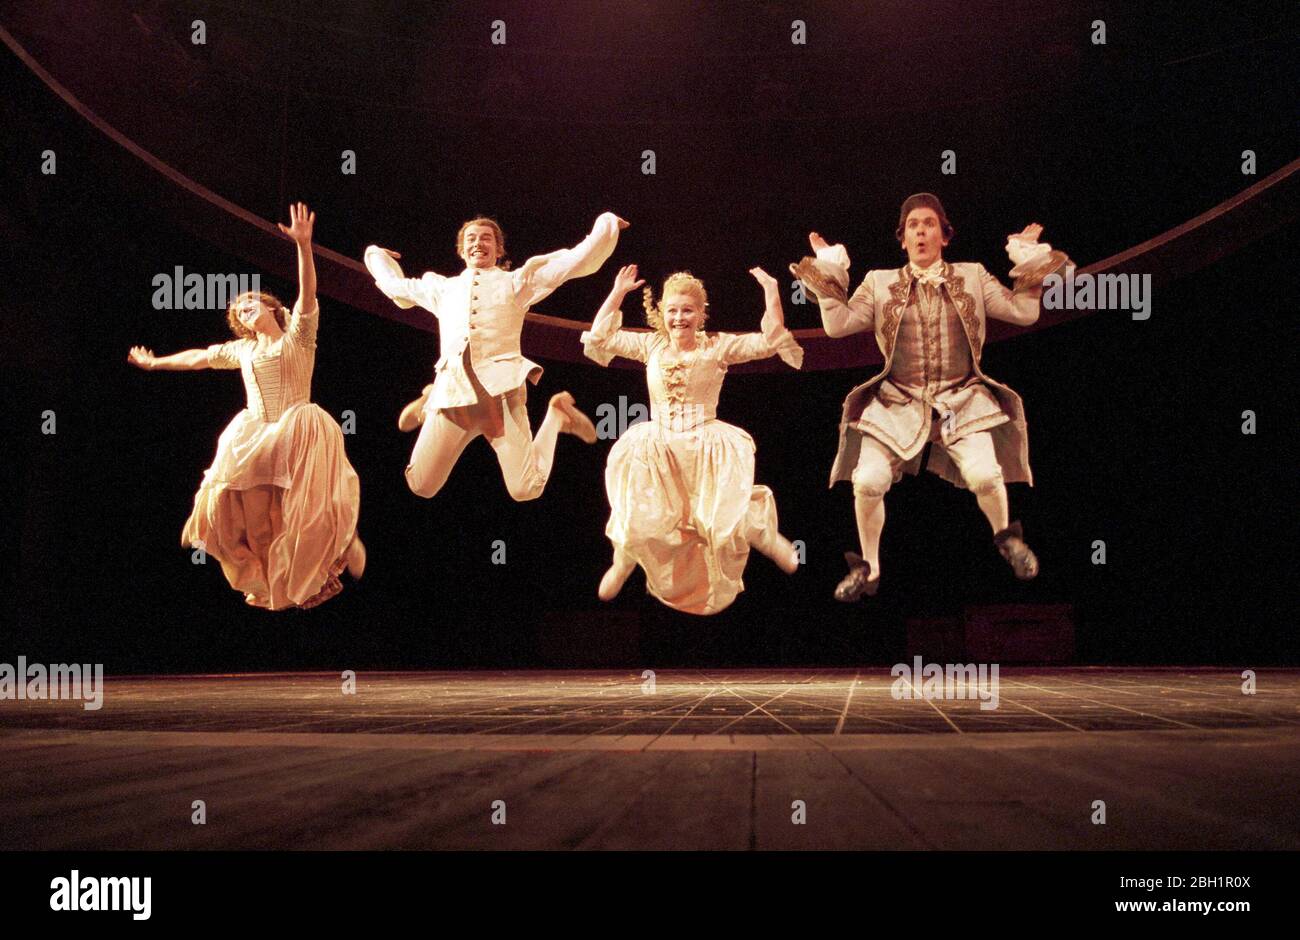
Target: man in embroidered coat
(929,322)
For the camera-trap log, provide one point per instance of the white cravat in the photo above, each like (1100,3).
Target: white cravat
(933,275)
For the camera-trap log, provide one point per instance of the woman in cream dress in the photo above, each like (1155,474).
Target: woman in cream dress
(683,503)
(278,507)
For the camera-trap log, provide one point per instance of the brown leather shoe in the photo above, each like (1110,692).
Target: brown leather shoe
(575,422)
(858,581)
(1011,544)
(412,415)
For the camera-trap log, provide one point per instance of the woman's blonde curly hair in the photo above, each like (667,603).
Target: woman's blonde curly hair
(683,282)
(236,325)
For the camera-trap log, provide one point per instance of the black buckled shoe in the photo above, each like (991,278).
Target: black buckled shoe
(857,582)
(1011,544)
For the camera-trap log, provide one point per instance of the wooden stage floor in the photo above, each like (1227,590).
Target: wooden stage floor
(715,759)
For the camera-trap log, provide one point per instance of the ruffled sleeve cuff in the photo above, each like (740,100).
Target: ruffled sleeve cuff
(1021,250)
(593,349)
(781,341)
(597,342)
(833,261)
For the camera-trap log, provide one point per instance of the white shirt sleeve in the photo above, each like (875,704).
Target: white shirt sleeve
(404,291)
(607,339)
(540,275)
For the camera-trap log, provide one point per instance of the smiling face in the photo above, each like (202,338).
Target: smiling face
(683,310)
(923,237)
(251,314)
(683,314)
(254,314)
(480,246)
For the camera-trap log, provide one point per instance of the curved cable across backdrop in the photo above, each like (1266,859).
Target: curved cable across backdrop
(1220,231)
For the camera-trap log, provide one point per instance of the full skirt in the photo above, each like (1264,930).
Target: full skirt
(306,525)
(683,506)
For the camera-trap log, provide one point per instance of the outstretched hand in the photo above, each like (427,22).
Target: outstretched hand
(1030,234)
(817,242)
(768,282)
(141,357)
(301,223)
(626,280)
(771,295)
(622,222)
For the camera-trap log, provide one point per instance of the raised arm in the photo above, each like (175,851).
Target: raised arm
(1023,305)
(773,340)
(404,291)
(305,317)
(301,224)
(188,359)
(1021,308)
(840,317)
(539,276)
(606,339)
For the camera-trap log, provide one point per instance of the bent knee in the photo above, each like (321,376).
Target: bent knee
(423,486)
(983,480)
(523,491)
(872,481)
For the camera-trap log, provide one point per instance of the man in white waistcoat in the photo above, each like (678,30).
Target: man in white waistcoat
(480,379)
(928,318)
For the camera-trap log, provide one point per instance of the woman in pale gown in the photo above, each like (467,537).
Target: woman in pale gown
(278,507)
(683,503)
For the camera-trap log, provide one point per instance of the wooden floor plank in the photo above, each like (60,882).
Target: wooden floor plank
(711,760)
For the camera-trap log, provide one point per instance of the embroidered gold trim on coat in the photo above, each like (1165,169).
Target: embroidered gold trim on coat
(965,304)
(892,315)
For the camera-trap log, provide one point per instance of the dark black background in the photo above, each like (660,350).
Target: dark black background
(1135,427)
